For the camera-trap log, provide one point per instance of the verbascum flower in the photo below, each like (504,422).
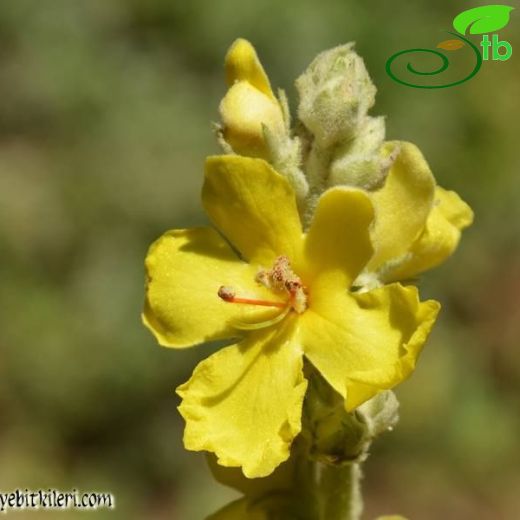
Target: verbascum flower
(418,224)
(285,295)
(249,108)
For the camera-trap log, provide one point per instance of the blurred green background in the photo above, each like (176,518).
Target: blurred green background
(105,110)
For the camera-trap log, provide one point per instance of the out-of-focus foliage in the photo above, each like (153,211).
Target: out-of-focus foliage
(105,112)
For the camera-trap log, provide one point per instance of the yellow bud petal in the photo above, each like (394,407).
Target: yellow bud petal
(402,205)
(439,239)
(242,64)
(244,110)
(453,208)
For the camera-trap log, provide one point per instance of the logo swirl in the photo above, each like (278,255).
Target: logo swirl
(441,68)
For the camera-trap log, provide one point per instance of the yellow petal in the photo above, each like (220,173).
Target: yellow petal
(253,206)
(240,509)
(453,208)
(338,246)
(363,343)
(244,402)
(185,269)
(280,506)
(242,64)
(280,480)
(243,110)
(449,216)
(402,205)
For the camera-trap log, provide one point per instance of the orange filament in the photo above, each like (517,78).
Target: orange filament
(228,295)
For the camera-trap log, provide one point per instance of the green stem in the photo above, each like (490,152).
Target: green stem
(317,171)
(305,489)
(340,492)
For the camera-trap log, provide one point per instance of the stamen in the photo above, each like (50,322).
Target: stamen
(228,295)
(280,279)
(263,324)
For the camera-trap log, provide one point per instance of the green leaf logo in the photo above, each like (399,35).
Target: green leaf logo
(480,20)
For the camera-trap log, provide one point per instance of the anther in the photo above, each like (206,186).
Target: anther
(226,293)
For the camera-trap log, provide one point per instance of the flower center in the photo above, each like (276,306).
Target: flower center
(281,279)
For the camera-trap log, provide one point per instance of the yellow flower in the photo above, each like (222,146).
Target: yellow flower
(284,295)
(249,104)
(417,223)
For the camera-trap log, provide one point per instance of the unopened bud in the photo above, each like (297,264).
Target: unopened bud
(365,161)
(245,111)
(336,93)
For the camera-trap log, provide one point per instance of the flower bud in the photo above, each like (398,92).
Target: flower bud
(381,413)
(335,95)
(242,64)
(338,437)
(335,436)
(363,162)
(245,111)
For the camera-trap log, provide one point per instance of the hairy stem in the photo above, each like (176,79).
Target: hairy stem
(340,492)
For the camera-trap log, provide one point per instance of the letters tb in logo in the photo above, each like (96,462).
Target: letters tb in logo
(495,45)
